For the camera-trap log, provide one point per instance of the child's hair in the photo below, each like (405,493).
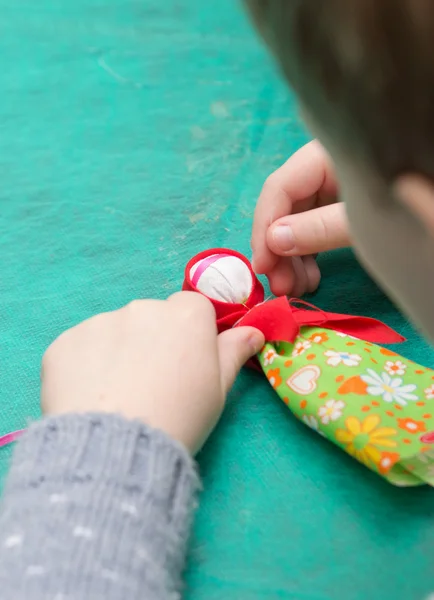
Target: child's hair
(364,69)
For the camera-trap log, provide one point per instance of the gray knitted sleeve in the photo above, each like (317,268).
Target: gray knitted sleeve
(95,507)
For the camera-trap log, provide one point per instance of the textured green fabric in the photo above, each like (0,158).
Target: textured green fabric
(135,133)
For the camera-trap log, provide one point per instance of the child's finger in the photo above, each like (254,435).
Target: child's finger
(313,274)
(300,277)
(310,232)
(235,347)
(273,204)
(294,276)
(282,277)
(304,175)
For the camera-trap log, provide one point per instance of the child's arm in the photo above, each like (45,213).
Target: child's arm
(296,217)
(99,499)
(96,506)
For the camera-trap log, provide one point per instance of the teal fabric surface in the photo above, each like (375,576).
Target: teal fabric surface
(135,133)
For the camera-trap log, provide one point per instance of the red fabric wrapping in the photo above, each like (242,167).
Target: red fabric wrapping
(227,314)
(280,320)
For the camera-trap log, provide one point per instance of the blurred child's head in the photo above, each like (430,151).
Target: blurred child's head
(363,71)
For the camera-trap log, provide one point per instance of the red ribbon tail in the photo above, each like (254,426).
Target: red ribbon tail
(281,322)
(364,328)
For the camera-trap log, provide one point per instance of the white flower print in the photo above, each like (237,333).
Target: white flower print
(312,422)
(389,388)
(342,358)
(426,457)
(429,393)
(269,357)
(345,335)
(331,411)
(395,368)
(402,483)
(300,348)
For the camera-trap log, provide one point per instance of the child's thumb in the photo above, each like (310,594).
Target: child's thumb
(235,347)
(310,232)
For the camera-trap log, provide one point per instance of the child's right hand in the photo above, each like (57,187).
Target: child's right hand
(160,362)
(296,217)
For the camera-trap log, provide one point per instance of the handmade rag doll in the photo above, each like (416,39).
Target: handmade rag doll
(328,369)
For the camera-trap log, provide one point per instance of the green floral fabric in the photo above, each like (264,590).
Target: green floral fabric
(374,404)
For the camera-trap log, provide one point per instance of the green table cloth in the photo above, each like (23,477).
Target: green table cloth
(134,134)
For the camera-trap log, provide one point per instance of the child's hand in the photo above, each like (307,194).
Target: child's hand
(296,217)
(158,361)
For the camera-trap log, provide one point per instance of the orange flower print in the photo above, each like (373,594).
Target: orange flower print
(395,368)
(300,348)
(387,460)
(269,357)
(387,352)
(411,426)
(319,338)
(274,377)
(429,393)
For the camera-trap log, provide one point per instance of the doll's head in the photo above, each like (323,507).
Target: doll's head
(224,277)
(363,71)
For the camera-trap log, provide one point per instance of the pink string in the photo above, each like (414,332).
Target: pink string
(204,264)
(9,438)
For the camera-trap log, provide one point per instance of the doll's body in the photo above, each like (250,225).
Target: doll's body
(328,369)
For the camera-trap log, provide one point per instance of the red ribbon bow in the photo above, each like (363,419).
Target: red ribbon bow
(280,319)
